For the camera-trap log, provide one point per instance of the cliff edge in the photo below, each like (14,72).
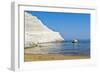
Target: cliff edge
(37,32)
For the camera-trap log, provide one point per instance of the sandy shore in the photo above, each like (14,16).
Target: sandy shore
(41,57)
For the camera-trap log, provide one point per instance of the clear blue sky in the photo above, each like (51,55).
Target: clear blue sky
(69,25)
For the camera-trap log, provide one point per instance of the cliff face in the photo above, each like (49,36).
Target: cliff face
(37,32)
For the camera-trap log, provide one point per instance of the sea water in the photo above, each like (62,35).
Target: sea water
(64,48)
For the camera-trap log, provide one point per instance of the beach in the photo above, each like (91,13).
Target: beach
(57,51)
(47,57)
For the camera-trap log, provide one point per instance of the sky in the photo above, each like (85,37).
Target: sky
(69,25)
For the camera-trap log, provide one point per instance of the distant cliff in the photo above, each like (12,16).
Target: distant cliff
(37,32)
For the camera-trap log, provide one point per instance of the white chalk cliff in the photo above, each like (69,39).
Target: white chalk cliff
(37,32)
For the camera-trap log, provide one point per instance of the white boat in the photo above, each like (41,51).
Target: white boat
(75,41)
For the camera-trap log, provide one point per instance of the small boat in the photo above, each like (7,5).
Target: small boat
(75,41)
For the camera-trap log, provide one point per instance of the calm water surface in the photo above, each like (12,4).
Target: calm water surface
(64,48)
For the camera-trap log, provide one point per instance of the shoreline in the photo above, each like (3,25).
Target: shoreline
(49,57)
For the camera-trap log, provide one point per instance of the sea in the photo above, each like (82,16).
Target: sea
(82,48)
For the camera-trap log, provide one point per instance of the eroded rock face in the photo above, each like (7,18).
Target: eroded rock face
(37,32)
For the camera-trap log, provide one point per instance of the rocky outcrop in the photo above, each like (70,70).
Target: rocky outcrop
(37,32)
